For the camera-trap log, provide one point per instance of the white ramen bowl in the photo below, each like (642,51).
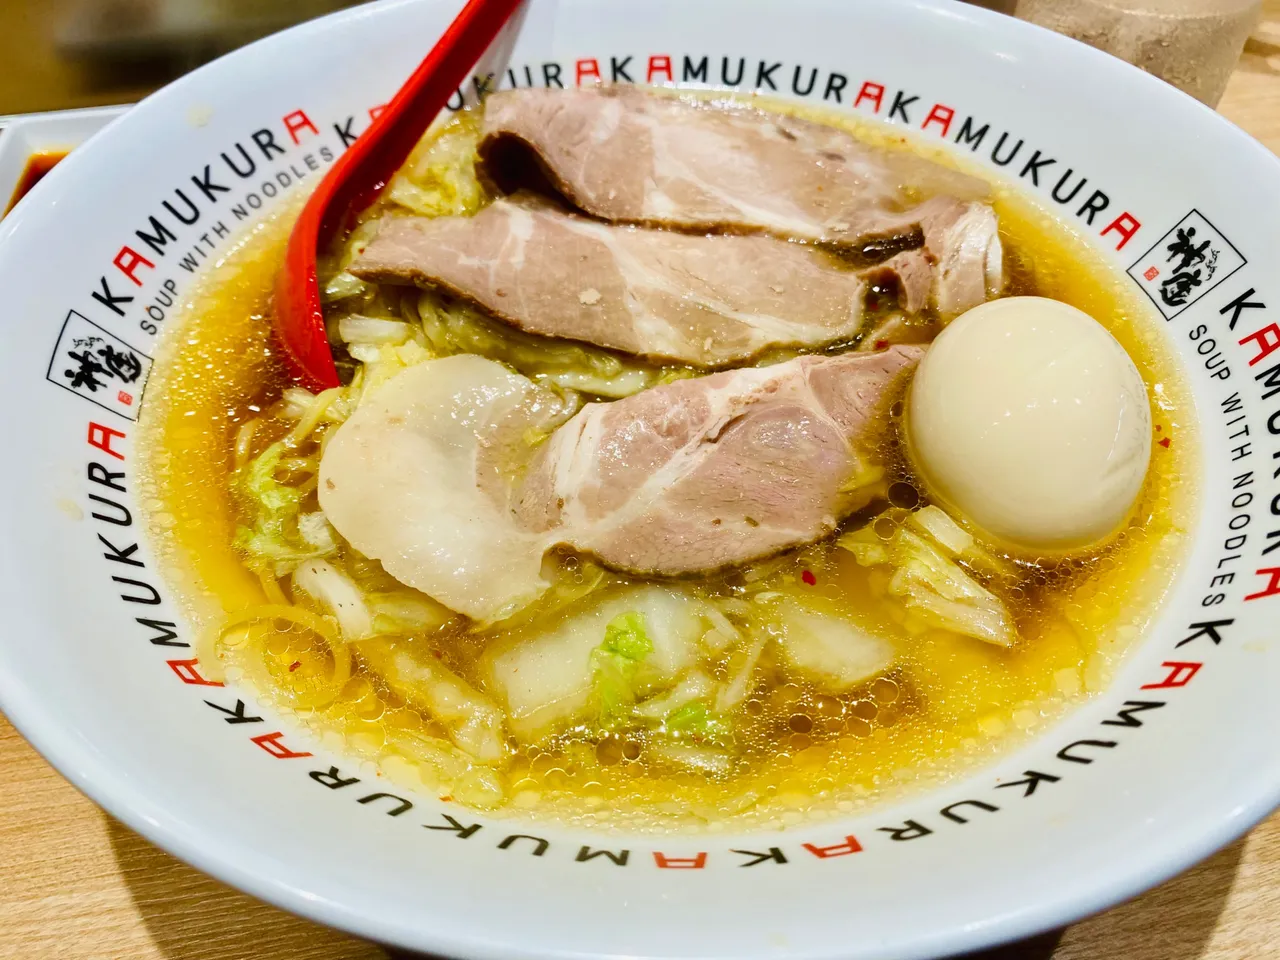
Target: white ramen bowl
(94,663)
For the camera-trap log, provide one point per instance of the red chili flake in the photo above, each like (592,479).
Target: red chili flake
(1165,442)
(882,344)
(438,654)
(1158,428)
(809,578)
(295,665)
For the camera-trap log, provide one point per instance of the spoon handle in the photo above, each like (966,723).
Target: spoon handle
(389,140)
(355,179)
(416,105)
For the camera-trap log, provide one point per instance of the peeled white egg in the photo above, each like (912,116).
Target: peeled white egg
(1027,417)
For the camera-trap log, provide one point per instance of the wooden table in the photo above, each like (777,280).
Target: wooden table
(76,885)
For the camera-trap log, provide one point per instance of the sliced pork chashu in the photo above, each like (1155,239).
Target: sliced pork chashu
(417,478)
(704,474)
(629,156)
(960,265)
(708,301)
(688,477)
(705,301)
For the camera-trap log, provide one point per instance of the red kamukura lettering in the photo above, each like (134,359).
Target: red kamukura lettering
(657,65)
(1180,674)
(1126,225)
(298,120)
(1267,340)
(1273,583)
(850,845)
(940,115)
(680,863)
(128,260)
(273,744)
(101,437)
(187,672)
(873,92)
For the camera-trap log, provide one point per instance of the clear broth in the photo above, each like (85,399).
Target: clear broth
(949,703)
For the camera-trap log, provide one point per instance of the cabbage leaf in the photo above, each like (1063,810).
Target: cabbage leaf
(929,581)
(457,328)
(271,538)
(616,664)
(696,720)
(439,179)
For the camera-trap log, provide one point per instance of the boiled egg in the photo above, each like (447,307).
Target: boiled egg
(1028,418)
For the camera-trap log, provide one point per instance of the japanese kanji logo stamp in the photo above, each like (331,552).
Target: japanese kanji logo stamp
(99,366)
(1185,264)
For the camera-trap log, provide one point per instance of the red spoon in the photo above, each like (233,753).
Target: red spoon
(353,183)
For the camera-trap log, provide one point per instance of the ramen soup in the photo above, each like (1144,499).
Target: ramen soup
(696,463)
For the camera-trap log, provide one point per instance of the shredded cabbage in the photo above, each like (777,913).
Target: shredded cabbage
(695,685)
(343,285)
(382,362)
(722,633)
(932,584)
(354,329)
(568,587)
(958,542)
(338,595)
(316,530)
(830,651)
(474,722)
(294,403)
(697,721)
(271,538)
(362,614)
(865,545)
(402,612)
(682,712)
(458,328)
(946,532)
(742,670)
(439,179)
(919,560)
(415,759)
(626,636)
